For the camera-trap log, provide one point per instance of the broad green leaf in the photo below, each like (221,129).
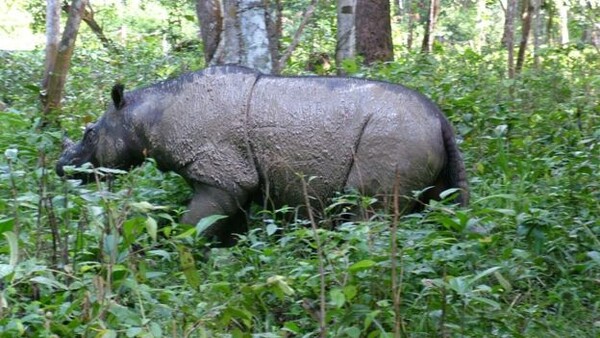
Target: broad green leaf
(446,193)
(186,234)
(352,332)
(337,297)
(350,292)
(594,255)
(485,273)
(291,327)
(206,222)
(49,282)
(145,206)
(271,229)
(106,334)
(188,266)
(503,281)
(124,315)
(6,269)
(11,154)
(155,330)
(151,227)
(281,284)
(362,265)
(487,301)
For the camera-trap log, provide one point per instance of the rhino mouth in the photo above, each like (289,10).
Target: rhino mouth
(73,155)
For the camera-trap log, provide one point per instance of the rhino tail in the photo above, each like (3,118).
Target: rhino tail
(454,174)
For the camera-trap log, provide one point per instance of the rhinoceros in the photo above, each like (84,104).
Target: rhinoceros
(236,135)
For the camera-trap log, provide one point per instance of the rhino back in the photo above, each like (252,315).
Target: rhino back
(201,134)
(345,132)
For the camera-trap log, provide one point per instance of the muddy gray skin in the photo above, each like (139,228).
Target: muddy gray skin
(237,135)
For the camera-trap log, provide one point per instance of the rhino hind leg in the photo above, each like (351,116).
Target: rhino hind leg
(208,201)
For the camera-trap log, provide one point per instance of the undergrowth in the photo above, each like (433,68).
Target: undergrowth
(110,259)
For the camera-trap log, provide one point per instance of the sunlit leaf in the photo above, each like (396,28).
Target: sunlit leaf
(337,297)
(13,244)
(188,266)
(151,227)
(206,222)
(362,265)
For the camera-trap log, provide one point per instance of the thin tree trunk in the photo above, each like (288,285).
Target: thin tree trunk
(509,35)
(346,32)
(57,75)
(563,18)
(296,39)
(274,29)
(525,30)
(411,24)
(537,32)
(550,24)
(52,40)
(88,18)
(480,25)
(434,9)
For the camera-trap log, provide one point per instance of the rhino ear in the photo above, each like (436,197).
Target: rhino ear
(117,95)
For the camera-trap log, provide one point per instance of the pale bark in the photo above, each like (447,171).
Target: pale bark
(551,11)
(434,9)
(563,22)
(57,75)
(253,28)
(52,37)
(480,25)
(537,32)
(238,33)
(346,31)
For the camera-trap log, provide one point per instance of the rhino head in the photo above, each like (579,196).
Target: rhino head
(109,142)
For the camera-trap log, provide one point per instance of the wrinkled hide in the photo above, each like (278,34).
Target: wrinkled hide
(235,135)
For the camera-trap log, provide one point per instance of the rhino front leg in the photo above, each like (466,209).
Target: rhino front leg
(209,201)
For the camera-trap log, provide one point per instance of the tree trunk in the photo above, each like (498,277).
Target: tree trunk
(509,35)
(480,24)
(563,23)
(374,30)
(56,73)
(551,11)
(412,18)
(52,40)
(364,28)
(434,9)
(211,25)
(236,32)
(537,32)
(525,30)
(346,32)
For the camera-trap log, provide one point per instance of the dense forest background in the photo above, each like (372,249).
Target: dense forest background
(519,80)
